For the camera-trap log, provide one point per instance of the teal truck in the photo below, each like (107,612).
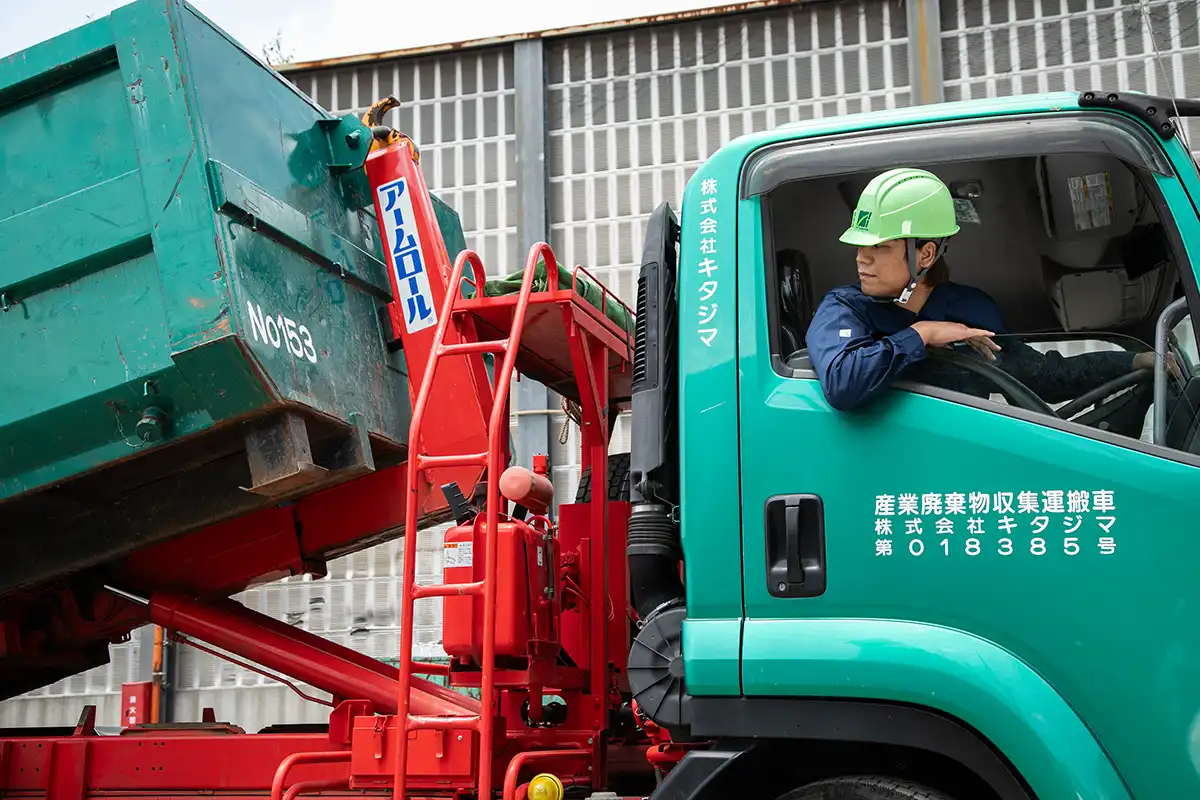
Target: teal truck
(939,593)
(959,590)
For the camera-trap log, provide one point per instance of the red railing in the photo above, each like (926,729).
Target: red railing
(494,460)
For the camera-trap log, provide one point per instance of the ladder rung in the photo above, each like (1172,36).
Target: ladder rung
(462,348)
(472,460)
(468,723)
(448,590)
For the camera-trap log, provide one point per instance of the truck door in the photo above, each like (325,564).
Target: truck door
(966,553)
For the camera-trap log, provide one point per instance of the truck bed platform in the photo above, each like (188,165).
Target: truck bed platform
(545,350)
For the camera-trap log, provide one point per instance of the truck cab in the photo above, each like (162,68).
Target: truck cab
(977,584)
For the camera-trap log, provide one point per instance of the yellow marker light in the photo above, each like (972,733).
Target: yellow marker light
(545,787)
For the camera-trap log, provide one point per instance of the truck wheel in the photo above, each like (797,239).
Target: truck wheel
(618,480)
(864,787)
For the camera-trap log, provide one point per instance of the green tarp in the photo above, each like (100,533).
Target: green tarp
(585,287)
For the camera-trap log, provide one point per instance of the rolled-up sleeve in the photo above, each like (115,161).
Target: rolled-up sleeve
(852,364)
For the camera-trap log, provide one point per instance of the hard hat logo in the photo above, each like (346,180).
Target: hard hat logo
(863,220)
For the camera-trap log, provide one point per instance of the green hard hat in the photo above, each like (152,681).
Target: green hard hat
(902,204)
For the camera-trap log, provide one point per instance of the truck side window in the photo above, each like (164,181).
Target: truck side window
(1081,257)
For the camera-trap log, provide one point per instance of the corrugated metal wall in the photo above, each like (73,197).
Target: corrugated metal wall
(635,112)
(631,114)
(993,48)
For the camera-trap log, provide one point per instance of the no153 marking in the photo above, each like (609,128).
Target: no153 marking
(279,330)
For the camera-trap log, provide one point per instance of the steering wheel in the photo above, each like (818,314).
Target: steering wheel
(1016,392)
(1104,390)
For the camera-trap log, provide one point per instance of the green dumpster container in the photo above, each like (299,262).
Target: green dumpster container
(190,292)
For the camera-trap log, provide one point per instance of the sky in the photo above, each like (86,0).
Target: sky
(314,29)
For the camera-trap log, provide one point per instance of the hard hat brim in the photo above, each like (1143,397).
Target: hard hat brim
(860,238)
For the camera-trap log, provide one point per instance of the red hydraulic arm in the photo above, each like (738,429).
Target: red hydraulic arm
(419,273)
(340,671)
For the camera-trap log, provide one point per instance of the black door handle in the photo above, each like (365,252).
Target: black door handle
(791,533)
(795,539)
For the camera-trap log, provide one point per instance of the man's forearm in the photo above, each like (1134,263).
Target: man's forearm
(855,374)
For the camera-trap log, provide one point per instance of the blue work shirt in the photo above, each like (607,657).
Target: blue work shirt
(859,344)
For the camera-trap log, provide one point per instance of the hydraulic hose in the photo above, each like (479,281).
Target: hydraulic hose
(654,556)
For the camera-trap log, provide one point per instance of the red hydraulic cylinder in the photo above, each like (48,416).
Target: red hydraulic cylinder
(529,489)
(340,671)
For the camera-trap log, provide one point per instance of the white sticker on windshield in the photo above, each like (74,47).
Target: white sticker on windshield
(1091,200)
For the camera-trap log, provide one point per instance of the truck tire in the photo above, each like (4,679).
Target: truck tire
(618,480)
(864,787)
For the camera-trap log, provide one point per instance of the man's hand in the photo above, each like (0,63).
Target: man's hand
(942,334)
(1145,360)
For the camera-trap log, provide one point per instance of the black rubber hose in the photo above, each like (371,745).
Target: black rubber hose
(655,583)
(654,555)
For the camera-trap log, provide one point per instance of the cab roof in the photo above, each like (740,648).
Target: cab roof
(962,109)
(737,149)
(1153,112)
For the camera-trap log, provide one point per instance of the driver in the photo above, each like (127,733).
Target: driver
(863,336)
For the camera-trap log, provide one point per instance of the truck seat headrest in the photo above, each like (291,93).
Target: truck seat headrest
(1098,299)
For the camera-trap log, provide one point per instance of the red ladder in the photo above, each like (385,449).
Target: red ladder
(492,459)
